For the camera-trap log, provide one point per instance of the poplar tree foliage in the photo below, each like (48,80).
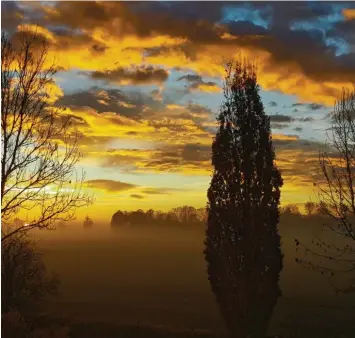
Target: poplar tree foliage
(242,244)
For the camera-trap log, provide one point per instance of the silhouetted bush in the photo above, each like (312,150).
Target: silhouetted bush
(13,325)
(24,278)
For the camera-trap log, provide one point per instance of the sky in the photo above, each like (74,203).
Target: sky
(143,84)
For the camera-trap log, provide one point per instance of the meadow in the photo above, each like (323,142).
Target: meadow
(156,278)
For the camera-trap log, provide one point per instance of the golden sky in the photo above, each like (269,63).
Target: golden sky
(143,81)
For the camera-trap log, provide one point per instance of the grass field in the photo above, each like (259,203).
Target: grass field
(140,280)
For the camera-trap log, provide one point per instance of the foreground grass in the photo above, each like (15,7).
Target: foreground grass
(43,327)
(49,327)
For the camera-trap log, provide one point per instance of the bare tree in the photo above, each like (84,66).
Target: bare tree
(336,194)
(310,207)
(39,147)
(291,209)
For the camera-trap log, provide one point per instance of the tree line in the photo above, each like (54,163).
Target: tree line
(181,215)
(190,215)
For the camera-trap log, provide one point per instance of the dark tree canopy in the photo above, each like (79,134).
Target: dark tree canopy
(242,241)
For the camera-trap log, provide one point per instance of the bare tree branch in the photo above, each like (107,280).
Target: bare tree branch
(336,192)
(39,148)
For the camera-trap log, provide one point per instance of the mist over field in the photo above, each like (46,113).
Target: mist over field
(157,276)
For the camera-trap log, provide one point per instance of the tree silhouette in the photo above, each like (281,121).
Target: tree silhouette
(335,248)
(39,147)
(242,242)
(88,222)
(290,209)
(310,207)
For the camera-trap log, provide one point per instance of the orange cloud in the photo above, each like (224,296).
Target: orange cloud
(283,137)
(108,125)
(349,13)
(113,33)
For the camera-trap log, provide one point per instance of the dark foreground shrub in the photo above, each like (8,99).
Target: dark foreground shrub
(24,278)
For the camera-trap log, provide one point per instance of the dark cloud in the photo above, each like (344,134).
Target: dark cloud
(159,191)
(311,106)
(196,152)
(99,48)
(178,158)
(96,99)
(136,196)
(272,104)
(316,59)
(109,185)
(195,82)
(190,78)
(75,120)
(11,16)
(309,51)
(297,143)
(210,11)
(117,186)
(170,158)
(306,119)
(86,15)
(245,28)
(109,100)
(188,49)
(199,111)
(298,129)
(132,132)
(315,106)
(308,47)
(134,75)
(281,118)
(279,125)
(64,39)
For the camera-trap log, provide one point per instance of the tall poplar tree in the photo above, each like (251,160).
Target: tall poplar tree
(242,245)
